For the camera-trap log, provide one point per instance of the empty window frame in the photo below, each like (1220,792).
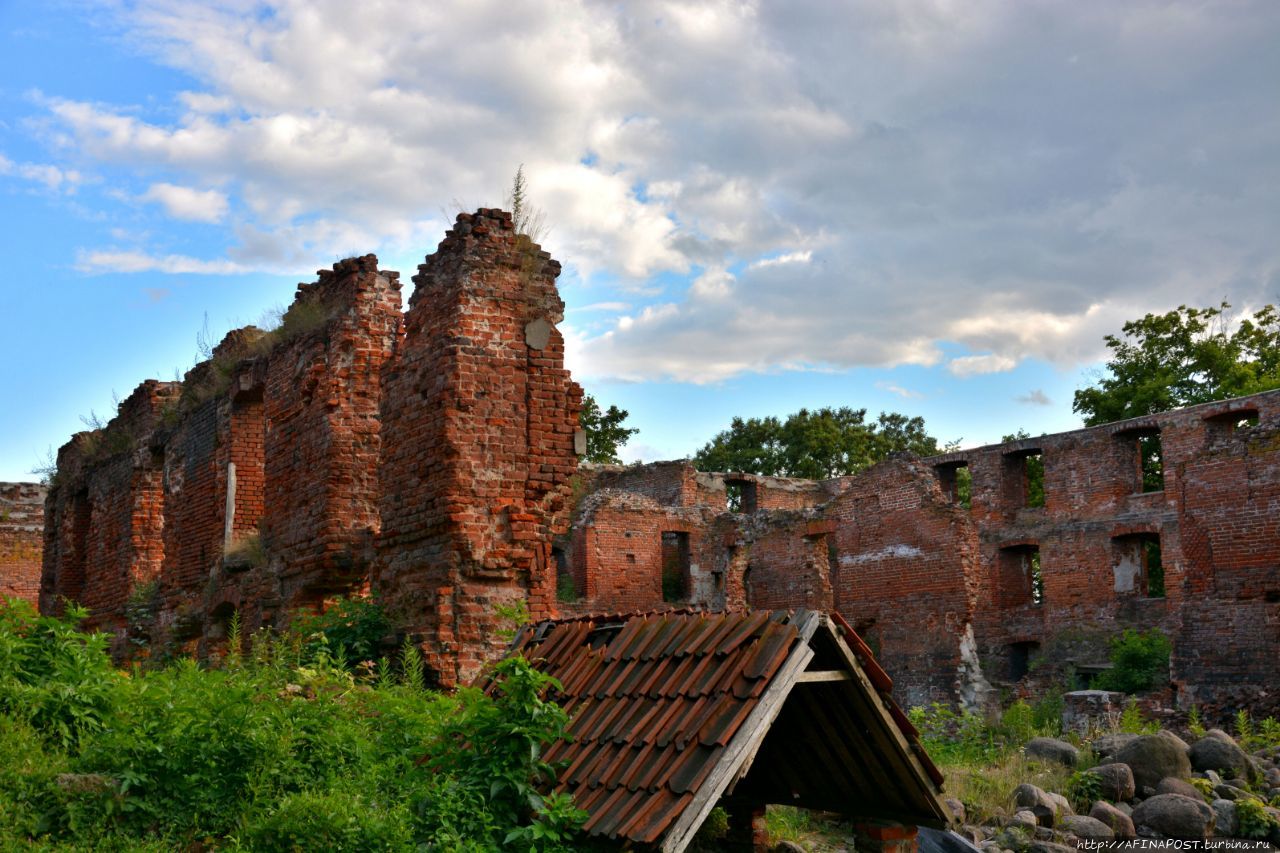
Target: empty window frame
(1025,472)
(1230,423)
(675,566)
(956,482)
(566,583)
(1138,566)
(1021,578)
(1148,458)
(1020,656)
(740,495)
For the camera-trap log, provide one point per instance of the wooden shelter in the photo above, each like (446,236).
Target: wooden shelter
(673,712)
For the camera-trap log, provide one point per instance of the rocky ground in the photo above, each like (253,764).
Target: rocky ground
(1143,786)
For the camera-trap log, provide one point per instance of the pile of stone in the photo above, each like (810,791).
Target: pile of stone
(1147,786)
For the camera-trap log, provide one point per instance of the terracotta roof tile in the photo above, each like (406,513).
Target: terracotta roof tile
(655,699)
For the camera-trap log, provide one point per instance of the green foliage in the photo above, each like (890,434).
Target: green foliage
(1018,722)
(1205,787)
(512,615)
(1133,722)
(1083,789)
(1194,724)
(713,829)
(605,431)
(956,737)
(787,823)
(1139,661)
(350,629)
(52,676)
(1046,714)
(1184,357)
(1254,821)
(272,751)
(817,444)
(329,820)
(495,747)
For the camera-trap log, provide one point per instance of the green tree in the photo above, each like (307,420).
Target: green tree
(1184,357)
(605,431)
(815,444)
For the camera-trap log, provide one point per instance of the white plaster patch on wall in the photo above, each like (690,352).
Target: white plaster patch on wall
(883,553)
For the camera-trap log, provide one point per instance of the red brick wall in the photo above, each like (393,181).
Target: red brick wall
(21,540)
(478,421)
(904,559)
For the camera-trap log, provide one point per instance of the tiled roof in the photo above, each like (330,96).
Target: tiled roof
(669,710)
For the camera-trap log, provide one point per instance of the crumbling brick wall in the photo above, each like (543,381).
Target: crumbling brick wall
(480,429)
(1212,520)
(21,540)
(103,511)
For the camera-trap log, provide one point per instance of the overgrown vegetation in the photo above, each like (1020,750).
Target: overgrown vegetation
(1139,661)
(282,747)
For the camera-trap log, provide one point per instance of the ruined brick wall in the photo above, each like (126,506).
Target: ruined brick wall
(251,485)
(1212,519)
(904,560)
(479,419)
(21,540)
(628,552)
(104,511)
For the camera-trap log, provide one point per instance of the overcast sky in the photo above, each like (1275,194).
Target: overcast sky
(938,208)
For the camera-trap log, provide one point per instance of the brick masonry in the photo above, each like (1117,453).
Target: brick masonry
(430,457)
(21,539)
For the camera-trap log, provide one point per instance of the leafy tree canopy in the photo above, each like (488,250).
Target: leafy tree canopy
(1184,357)
(605,431)
(815,444)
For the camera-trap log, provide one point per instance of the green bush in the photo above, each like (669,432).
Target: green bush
(1139,661)
(271,751)
(1254,820)
(331,820)
(349,629)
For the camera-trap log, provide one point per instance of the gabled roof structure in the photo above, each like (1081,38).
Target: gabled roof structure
(671,711)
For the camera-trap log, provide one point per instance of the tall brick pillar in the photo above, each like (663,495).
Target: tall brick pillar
(479,418)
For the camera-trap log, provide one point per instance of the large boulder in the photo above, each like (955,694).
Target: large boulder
(1170,785)
(1063,804)
(1154,757)
(1116,781)
(1089,828)
(1108,745)
(1029,797)
(1227,824)
(1175,816)
(1217,751)
(1052,749)
(1117,821)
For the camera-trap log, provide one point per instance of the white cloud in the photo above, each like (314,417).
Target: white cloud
(128,262)
(905,393)
(1035,397)
(188,204)
(974,365)
(858,184)
(53,178)
(788,258)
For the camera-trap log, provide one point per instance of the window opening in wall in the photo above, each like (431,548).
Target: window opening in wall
(1025,470)
(1151,461)
(566,584)
(1138,566)
(675,566)
(740,495)
(1020,655)
(1022,579)
(1221,426)
(956,482)
(1034,466)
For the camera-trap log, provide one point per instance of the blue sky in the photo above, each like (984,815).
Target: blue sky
(920,206)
